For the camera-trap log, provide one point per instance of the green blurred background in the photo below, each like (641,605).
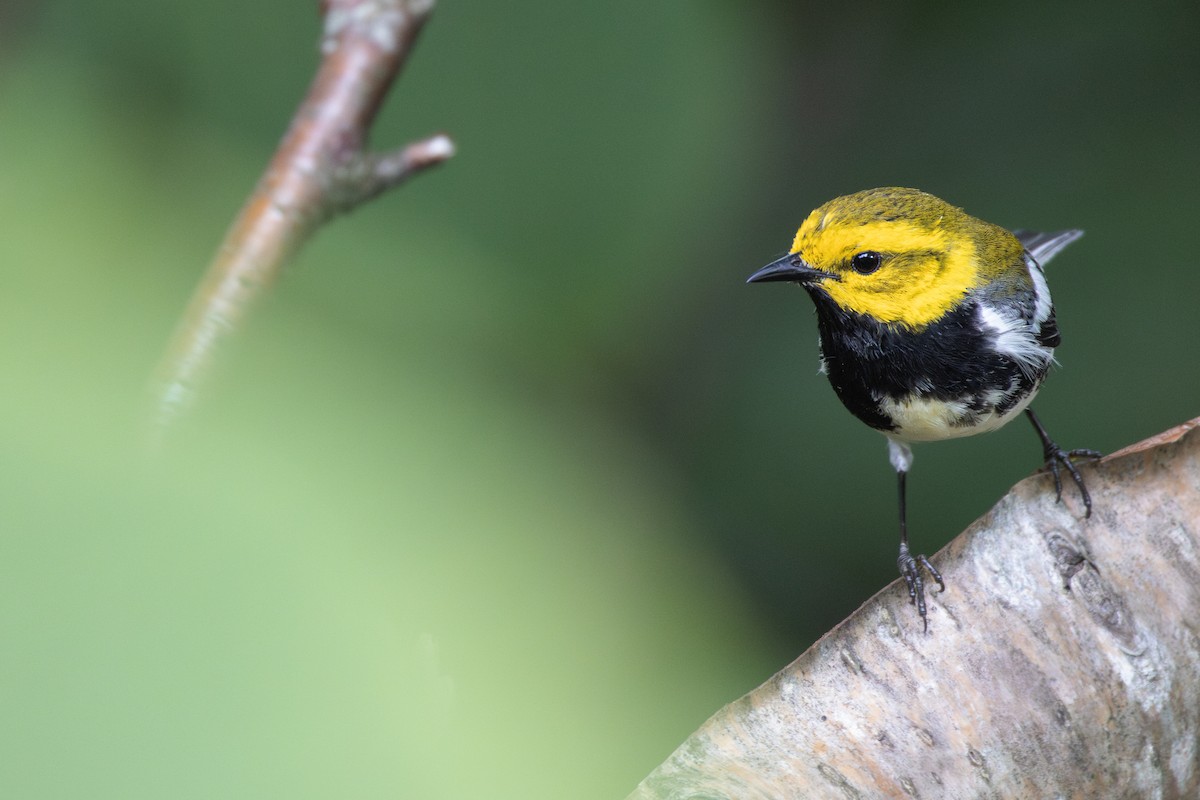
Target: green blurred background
(513,481)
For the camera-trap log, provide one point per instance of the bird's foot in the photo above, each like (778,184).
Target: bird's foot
(1057,458)
(910,568)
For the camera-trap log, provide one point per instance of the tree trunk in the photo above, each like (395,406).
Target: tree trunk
(1062,661)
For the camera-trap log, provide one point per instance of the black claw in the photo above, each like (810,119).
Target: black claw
(910,568)
(937,576)
(1055,457)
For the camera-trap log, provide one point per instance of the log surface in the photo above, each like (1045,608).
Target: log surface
(1063,661)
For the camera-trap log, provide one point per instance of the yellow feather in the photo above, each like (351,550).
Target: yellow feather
(931,255)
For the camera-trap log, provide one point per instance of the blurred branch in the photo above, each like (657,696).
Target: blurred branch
(321,168)
(1063,661)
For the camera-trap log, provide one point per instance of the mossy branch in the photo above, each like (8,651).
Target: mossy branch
(1063,661)
(321,168)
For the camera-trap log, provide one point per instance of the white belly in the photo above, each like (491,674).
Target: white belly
(923,419)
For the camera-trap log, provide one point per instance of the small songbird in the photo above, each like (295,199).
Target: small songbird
(933,325)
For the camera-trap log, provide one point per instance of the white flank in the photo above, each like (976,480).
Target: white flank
(1013,337)
(1041,293)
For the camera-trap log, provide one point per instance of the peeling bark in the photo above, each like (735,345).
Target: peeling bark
(1062,661)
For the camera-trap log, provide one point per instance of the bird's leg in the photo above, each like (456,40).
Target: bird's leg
(910,565)
(1055,456)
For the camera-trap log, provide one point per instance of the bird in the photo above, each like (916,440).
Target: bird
(933,325)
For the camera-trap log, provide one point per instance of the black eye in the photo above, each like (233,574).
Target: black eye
(866,263)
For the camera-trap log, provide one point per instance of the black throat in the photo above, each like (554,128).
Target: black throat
(950,359)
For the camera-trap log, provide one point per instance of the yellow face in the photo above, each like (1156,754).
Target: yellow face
(901,256)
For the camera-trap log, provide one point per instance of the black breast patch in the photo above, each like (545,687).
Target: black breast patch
(951,360)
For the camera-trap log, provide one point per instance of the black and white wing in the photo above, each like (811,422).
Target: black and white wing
(1041,247)
(1044,246)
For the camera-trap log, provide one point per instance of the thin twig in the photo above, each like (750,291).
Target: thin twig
(321,168)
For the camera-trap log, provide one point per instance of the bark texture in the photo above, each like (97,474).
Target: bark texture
(1063,661)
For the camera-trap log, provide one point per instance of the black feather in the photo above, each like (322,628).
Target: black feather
(952,359)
